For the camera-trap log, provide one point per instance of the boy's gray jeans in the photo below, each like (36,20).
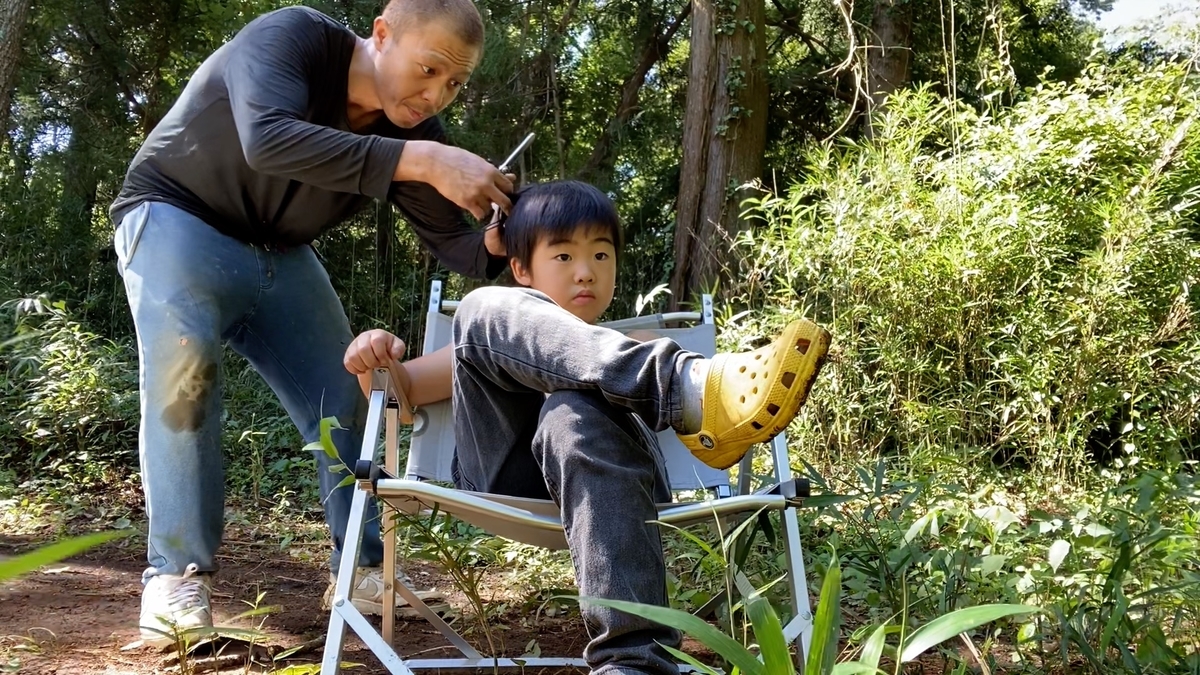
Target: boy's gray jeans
(547,406)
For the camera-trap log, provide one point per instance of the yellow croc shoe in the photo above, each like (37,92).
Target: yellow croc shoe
(750,397)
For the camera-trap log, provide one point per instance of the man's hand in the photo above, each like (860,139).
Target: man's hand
(463,177)
(493,236)
(373,349)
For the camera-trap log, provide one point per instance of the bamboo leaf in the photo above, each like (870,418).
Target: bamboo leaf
(819,660)
(327,425)
(262,610)
(52,553)
(873,647)
(691,661)
(730,538)
(768,631)
(1118,615)
(700,543)
(959,621)
(194,636)
(710,637)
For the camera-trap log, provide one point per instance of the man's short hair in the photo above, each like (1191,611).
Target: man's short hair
(557,209)
(462,15)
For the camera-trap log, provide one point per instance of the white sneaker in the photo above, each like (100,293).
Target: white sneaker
(367,594)
(172,603)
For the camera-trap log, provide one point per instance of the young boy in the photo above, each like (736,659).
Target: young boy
(548,405)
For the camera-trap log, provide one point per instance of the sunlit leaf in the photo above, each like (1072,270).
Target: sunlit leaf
(768,631)
(873,648)
(990,564)
(1058,553)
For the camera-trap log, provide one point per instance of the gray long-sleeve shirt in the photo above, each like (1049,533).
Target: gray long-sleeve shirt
(259,147)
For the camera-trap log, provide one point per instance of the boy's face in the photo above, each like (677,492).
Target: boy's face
(578,272)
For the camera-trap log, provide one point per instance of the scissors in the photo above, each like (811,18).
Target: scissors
(505,167)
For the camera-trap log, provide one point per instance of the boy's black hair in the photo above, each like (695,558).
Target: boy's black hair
(557,209)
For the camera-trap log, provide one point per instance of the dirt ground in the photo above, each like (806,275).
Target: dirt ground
(80,616)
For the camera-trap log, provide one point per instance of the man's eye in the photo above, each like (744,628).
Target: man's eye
(456,84)
(427,70)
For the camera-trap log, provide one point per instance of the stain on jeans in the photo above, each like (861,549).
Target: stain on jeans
(192,383)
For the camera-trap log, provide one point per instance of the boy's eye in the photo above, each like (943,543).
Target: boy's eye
(563,257)
(601,256)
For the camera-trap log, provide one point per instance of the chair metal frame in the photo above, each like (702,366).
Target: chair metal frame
(528,520)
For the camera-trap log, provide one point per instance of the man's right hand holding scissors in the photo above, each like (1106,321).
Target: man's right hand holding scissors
(493,234)
(463,177)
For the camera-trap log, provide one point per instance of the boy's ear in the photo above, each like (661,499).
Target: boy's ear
(519,272)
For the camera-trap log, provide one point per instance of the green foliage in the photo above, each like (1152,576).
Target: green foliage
(70,396)
(1115,570)
(72,404)
(462,550)
(773,654)
(1124,576)
(1016,286)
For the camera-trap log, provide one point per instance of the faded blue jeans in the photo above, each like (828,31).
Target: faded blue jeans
(191,289)
(549,407)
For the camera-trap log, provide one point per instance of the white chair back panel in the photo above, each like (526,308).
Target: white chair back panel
(432,447)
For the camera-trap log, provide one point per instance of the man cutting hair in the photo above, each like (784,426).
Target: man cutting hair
(290,128)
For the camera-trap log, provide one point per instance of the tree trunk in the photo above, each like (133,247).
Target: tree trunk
(78,198)
(81,162)
(12,25)
(533,81)
(385,235)
(724,135)
(889,52)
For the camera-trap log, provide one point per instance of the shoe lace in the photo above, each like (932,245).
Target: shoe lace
(187,589)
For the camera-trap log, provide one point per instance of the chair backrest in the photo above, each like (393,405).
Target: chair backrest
(432,445)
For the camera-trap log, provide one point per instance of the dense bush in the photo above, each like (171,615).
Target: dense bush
(71,411)
(69,396)
(1019,286)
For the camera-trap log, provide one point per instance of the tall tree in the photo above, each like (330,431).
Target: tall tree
(93,59)
(889,49)
(724,136)
(12,25)
(657,41)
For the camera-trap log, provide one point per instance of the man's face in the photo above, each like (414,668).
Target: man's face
(579,273)
(420,71)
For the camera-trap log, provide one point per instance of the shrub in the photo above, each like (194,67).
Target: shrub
(1017,286)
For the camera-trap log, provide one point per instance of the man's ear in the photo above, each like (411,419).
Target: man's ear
(519,272)
(380,31)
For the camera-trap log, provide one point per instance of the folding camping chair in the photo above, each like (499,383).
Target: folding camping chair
(530,521)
